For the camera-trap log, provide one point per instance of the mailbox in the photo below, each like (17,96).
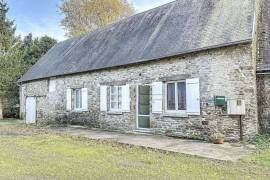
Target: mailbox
(220,100)
(236,107)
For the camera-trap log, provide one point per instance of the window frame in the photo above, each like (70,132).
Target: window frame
(51,88)
(176,111)
(119,99)
(75,99)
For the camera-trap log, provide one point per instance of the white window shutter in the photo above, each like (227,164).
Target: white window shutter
(157,96)
(126,98)
(85,99)
(193,96)
(68,100)
(103,98)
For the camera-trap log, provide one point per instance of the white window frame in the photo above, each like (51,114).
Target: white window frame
(119,109)
(176,111)
(75,99)
(52,85)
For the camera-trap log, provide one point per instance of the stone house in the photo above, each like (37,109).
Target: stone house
(185,69)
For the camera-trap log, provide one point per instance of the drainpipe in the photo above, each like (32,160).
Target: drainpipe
(241,94)
(241,128)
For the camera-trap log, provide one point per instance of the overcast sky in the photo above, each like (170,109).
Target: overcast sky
(41,17)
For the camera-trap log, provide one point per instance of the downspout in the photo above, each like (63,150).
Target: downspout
(241,128)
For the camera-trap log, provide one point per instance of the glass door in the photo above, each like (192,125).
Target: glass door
(143,107)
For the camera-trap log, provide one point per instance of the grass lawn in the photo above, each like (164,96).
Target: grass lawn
(30,153)
(10,121)
(262,156)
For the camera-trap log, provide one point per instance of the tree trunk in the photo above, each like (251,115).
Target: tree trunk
(1,109)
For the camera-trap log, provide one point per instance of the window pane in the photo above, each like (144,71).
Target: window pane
(78,99)
(144,100)
(144,122)
(171,96)
(119,98)
(113,90)
(116,97)
(114,105)
(76,96)
(181,88)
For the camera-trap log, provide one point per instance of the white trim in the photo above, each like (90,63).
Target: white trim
(84,99)
(103,95)
(69,99)
(126,98)
(174,112)
(193,97)
(119,109)
(77,110)
(157,97)
(33,114)
(52,85)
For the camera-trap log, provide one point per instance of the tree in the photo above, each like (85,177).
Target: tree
(16,57)
(10,71)
(82,16)
(7,28)
(9,55)
(35,48)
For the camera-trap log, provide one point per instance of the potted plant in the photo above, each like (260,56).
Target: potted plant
(217,138)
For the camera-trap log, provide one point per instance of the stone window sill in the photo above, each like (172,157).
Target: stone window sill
(78,111)
(114,113)
(177,115)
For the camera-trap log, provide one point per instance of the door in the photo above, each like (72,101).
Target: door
(30,110)
(143,107)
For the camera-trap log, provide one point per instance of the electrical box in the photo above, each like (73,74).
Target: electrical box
(236,107)
(220,101)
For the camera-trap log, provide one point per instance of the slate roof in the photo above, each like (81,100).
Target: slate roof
(172,29)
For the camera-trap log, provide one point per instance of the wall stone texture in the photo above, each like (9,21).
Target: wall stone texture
(264,102)
(228,71)
(263,64)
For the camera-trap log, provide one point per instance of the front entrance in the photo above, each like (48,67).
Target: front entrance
(30,110)
(143,107)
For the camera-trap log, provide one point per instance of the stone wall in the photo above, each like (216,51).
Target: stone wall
(263,64)
(264,102)
(227,71)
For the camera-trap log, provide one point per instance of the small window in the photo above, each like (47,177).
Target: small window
(77,99)
(52,85)
(116,98)
(176,96)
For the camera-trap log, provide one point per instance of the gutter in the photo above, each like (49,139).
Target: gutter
(247,41)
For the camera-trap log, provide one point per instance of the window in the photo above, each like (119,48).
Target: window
(77,99)
(52,85)
(176,96)
(116,98)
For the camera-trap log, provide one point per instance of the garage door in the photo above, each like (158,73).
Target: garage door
(31,110)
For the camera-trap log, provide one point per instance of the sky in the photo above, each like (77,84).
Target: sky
(42,17)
